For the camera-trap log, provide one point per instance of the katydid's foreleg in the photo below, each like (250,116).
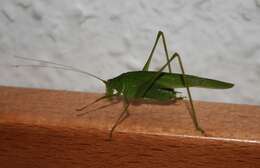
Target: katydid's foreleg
(147,64)
(95,101)
(104,106)
(121,118)
(193,112)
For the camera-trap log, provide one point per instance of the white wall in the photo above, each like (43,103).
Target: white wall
(216,39)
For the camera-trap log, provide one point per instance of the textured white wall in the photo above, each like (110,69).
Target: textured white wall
(216,39)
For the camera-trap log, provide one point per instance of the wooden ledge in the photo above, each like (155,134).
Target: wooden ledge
(40,128)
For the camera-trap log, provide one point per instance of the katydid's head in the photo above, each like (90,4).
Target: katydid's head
(109,88)
(113,86)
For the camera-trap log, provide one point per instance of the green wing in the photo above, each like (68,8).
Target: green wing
(175,80)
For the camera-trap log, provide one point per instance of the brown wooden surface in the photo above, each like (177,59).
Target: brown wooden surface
(39,128)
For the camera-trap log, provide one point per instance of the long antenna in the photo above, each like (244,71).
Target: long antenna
(58,66)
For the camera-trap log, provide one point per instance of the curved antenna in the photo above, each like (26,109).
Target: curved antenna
(59,66)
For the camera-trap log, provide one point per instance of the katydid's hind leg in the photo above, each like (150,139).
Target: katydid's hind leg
(147,64)
(120,119)
(193,112)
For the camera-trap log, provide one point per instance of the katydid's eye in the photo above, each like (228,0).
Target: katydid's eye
(115,91)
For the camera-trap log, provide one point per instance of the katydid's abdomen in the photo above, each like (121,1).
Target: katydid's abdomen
(160,94)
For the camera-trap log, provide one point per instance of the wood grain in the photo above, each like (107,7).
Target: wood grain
(40,128)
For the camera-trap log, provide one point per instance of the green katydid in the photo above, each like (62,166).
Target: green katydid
(147,85)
